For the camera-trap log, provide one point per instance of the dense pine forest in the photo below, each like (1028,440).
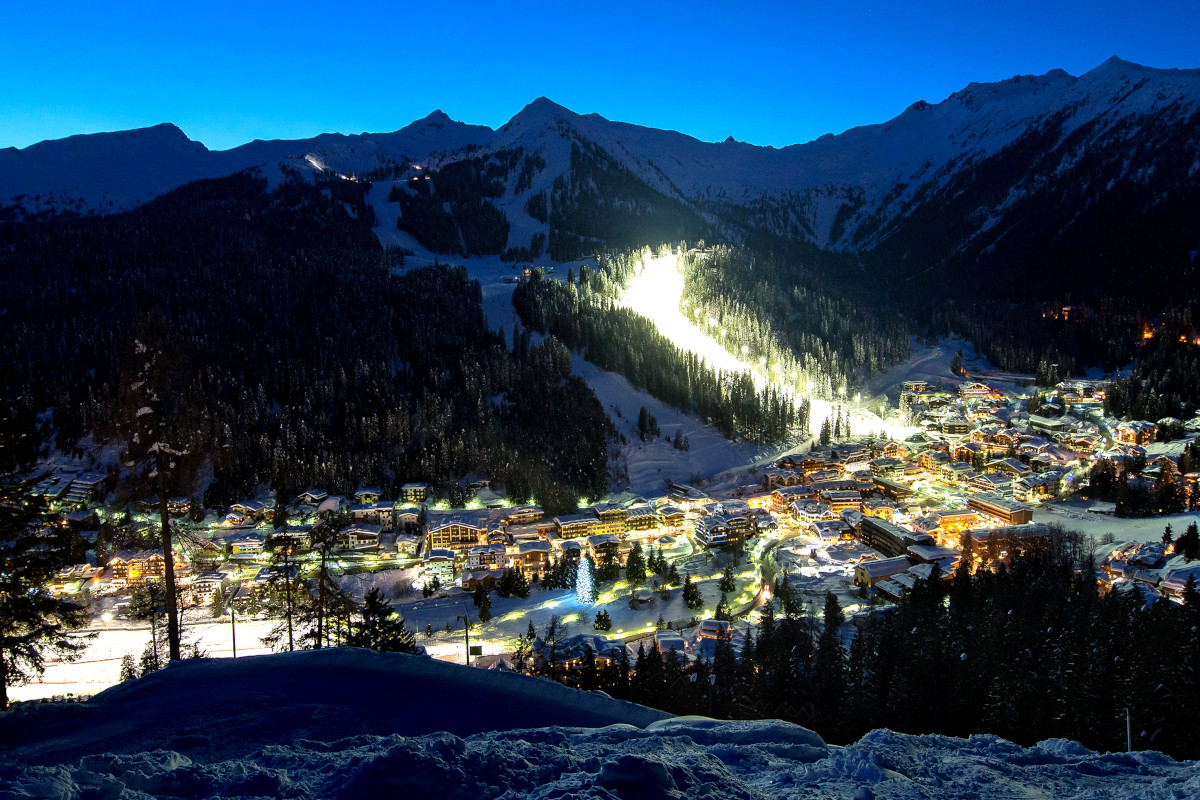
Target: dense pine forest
(601,203)
(1028,652)
(584,316)
(295,355)
(776,309)
(451,211)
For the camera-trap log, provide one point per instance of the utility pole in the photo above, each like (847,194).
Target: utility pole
(1128,732)
(233,626)
(466,634)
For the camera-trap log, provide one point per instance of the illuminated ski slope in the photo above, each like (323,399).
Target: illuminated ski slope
(655,293)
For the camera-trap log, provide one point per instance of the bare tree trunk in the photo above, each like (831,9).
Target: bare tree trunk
(154,632)
(317,644)
(287,589)
(168,567)
(3,681)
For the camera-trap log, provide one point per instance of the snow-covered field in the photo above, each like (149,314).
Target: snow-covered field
(100,666)
(648,464)
(354,724)
(1073,516)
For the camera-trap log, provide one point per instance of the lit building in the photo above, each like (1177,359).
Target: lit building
(1138,432)
(1000,509)
(575,526)
(414,492)
(455,533)
(610,519)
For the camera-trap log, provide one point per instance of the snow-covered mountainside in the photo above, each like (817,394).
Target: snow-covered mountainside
(563,182)
(107,172)
(354,724)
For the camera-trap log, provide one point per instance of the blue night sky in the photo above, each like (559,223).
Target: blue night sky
(767,73)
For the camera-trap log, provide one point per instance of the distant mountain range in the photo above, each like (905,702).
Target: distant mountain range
(1027,168)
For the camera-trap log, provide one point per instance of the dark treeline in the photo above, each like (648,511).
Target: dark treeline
(1026,336)
(1110,232)
(1137,496)
(600,203)
(779,310)
(449,210)
(617,339)
(1101,218)
(1028,652)
(297,356)
(1166,374)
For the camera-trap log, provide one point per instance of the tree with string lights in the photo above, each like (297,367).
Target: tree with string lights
(585,584)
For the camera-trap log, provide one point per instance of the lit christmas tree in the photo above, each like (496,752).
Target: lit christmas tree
(585,587)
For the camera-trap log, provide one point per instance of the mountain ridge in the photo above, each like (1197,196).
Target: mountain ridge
(851,192)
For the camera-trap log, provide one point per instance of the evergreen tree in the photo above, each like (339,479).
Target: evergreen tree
(155,656)
(1191,597)
(609,568)
(129,670)
(520,654)
(147,601)
(219,605)
(155,407)
(727,583)
(691,594)
(1188,543)
(655,564)
(603,621)
(635,565)
(726,683)
(588,678)
(672,577)
(829,668)
(380,628)
(556,631)
(723,611)
(512,584)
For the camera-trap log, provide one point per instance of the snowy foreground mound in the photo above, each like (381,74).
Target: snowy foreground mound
(315,738)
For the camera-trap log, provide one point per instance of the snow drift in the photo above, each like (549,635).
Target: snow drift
(354,724)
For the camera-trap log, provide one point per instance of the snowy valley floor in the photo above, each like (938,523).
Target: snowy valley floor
(354,724)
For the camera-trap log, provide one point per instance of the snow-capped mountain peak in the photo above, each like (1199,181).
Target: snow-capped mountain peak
(846,191)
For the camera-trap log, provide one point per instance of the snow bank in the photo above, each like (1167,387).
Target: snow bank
(219,708)
(309,740)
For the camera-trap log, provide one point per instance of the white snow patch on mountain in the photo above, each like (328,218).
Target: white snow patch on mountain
(108,172)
